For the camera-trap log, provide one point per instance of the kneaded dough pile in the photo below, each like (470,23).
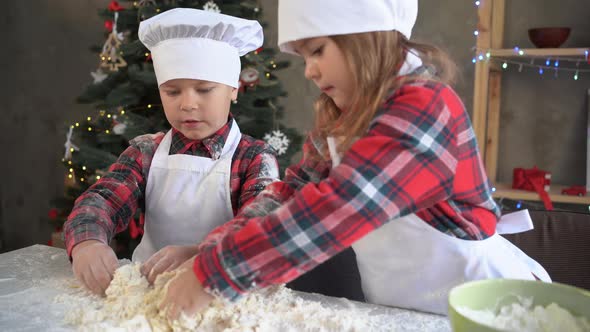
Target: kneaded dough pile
(131,304)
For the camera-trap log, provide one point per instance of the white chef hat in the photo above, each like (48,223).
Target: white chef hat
(300,19)
(198,44)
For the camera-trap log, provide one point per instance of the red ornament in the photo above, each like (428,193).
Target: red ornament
(249,77)
(258,50)
(53,213)
(114,6)
(109,25)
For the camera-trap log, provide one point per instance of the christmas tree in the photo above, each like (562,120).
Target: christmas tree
(125,94)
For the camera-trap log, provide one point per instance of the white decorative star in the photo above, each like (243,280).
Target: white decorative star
(98,76)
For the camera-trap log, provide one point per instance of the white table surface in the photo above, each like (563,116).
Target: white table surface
(31,278)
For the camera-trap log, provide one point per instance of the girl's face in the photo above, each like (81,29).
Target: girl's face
(196,108)
(327,67)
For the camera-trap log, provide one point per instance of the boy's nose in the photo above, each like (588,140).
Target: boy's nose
(189,102)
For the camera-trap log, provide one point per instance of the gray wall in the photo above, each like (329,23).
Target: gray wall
(46,64)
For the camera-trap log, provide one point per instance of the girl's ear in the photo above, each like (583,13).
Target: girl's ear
(234,94)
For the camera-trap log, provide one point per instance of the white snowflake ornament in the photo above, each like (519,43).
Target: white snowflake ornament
(119,128)
(211,6)
(278,140)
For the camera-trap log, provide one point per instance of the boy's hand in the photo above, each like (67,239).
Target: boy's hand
(166,259)
(185,293)
(94,264)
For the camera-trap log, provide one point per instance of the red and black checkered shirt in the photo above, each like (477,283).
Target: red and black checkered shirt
(419,156)
(108,205)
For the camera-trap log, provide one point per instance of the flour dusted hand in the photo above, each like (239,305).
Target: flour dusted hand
(94,264)
(185,293)
(167,259)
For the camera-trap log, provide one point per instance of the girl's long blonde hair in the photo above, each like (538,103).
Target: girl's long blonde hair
(374,59)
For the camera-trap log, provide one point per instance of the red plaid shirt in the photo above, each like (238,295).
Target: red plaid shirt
(419,156)
(108,205)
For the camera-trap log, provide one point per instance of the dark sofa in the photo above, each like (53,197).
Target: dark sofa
(561,243)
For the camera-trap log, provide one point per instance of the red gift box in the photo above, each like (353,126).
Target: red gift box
(533,179)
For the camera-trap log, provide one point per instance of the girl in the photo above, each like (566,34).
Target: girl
(391,169)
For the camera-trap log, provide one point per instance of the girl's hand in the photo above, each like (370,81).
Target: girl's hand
(94,264)
(185,293)
(166,259)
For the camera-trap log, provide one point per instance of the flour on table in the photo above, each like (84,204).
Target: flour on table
(131,304)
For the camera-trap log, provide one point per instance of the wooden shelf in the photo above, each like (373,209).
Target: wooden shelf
(487,95)
(505,190)
(540,52)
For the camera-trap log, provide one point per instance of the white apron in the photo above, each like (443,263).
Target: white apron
(407,263)
(186,196)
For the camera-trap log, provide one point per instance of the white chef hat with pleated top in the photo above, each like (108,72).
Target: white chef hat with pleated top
(196,44)
(301,19)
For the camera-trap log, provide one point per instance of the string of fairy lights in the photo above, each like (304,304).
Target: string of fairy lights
(71,148)
(569,66)
(572,66)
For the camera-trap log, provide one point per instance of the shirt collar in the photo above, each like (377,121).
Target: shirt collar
(211,146)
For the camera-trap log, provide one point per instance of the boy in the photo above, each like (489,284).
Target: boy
(190,180)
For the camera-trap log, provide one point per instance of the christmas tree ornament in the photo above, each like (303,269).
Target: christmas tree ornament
(53,213)
(108,24)
(278,140)
(115,7)
(70,147)
(110,56)
(119,128)
(119,36)
(211,6)
(249,77)
(98,76)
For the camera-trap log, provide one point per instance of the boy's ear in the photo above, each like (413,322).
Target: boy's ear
(234,94)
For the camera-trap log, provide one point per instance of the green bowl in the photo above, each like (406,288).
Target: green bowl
(493,293)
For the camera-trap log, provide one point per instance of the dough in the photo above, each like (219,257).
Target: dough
(131,304)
